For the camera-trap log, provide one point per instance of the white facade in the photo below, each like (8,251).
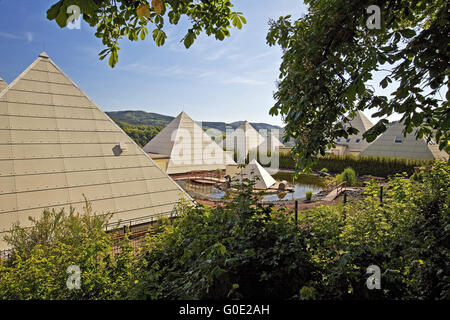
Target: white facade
(188,146)
(57,147)
(392,143)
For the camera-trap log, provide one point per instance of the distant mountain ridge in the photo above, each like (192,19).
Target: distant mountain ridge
(137,117)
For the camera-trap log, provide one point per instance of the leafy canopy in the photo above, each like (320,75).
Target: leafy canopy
(330,55)
(42,253)
(116,19)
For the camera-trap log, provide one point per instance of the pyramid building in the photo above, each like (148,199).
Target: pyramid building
(243,140)
(57,146)
(255,172)
(3,84)
(392,143)
(355,143)
(187,147)
(272,142)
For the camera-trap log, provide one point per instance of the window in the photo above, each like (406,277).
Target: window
(358,140)
(348,140)
(338,140)
(398,139)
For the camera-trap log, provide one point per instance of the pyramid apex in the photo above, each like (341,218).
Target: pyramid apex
(183,115)
(44,55)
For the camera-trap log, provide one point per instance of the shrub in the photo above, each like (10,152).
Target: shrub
(241,250)
(309,194)
(347,175)
(364,165)
(324,170)
(406,236)
(42,254)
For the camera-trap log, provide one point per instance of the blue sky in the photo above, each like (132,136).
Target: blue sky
(214,80)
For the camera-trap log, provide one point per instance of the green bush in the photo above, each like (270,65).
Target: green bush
(244,250)
(309,194)
(241,250)
(324,170)
(406,236)
(347,175)
(364,165)
(42,254)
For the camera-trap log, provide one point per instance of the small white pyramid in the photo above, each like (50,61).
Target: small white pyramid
(392,143)
(255,172)
(188,146)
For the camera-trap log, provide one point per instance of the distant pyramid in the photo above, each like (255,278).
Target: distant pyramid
(272,142)
(3,84)
(255,172)
(56,145)
(392,143)
(355,142)
(188,146)
(243,140)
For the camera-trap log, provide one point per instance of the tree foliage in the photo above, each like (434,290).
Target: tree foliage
(141,134)
(244,250)
(407,236)
(330,55)
(241,250)
(42,253)
(117,19)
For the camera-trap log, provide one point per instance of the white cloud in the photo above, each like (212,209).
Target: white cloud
(29,36)
(8,35)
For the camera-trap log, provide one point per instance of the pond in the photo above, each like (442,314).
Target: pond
(301,185)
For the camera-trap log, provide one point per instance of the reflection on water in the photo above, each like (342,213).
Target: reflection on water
(301,185)
(202,189)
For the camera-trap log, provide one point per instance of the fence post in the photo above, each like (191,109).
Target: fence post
(381,194)
(345,197)
(296,211)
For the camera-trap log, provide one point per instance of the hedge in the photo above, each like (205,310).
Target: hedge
(363,165)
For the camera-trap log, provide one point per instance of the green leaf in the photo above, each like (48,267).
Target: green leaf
(407,33)
(159,37)
(189,39)
(54,10)
(61,18)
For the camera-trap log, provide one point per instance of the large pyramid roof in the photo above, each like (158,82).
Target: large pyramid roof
(188,146)
(56,146)
(392,143)
(255,172)
(355,142)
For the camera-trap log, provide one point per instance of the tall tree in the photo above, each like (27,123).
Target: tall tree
(330,55)
(116,19)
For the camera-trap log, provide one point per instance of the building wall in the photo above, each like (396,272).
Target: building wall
(162,163)
(232,170)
